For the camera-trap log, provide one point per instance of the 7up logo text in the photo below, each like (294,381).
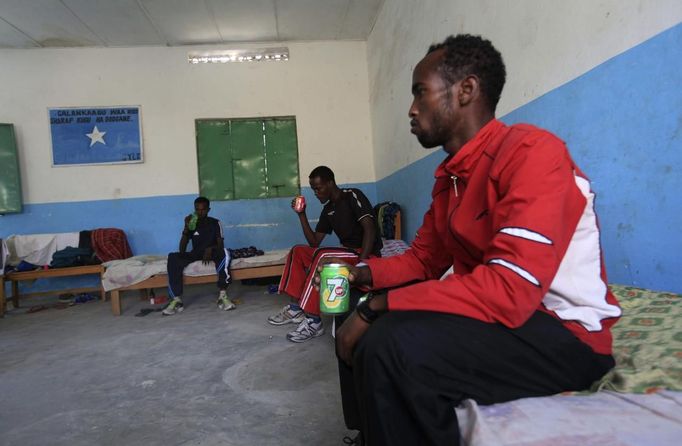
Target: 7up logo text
(336,288)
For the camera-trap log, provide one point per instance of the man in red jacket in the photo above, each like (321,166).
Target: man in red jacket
(526,312)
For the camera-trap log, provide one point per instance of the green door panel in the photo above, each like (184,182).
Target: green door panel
(216,181)
(282,157)
(10,181)
(248,158)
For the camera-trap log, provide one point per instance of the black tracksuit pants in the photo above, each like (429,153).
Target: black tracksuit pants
(177,261)
(411,368)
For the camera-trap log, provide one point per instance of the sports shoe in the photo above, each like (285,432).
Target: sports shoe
(175,306)
(306,330)
(358,440)
(287,316)
(224,302)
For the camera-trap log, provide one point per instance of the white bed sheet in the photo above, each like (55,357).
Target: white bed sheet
(37,249)
(393,247)
(603,418)
(126,272)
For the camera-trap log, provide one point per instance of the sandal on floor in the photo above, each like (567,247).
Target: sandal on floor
(145,311)
(36,308)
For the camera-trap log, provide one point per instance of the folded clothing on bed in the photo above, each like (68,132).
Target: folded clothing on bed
(110,244)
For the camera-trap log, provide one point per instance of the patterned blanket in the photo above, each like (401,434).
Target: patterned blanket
(647,342)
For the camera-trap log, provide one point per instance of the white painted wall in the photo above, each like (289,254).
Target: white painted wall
(544,44)
(324,84)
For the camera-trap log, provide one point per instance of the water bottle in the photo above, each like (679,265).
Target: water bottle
(192,225)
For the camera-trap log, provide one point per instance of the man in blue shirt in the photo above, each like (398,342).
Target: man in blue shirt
(206,234)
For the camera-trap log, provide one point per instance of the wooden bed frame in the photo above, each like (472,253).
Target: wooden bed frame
(15,277)
(161,281)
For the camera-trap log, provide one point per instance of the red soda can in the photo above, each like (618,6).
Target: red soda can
(299,203)
(158,300)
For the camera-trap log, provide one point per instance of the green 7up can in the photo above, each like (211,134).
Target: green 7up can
(334,290)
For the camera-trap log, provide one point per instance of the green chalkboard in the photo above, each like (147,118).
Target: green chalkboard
(10,181)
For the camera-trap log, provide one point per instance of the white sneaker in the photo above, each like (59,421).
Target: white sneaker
(224,303)
(287,316)
(306,330)
(174,306)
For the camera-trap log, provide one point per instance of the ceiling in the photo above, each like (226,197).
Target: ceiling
(123,23)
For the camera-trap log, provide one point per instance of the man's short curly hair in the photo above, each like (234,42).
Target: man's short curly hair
(322,172)
(466,54)
(203,200)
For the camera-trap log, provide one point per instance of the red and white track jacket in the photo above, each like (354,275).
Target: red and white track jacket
(514,216)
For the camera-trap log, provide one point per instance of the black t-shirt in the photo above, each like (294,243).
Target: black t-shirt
(207,233)
(343,217)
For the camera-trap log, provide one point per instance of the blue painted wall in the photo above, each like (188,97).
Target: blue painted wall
(153,224)
(622,122)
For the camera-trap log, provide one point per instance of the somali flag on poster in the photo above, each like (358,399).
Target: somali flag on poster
(95,135)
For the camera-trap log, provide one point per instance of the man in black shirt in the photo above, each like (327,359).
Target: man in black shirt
(349,214)
(206,234)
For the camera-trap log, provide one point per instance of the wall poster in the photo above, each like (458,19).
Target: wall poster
(95,135)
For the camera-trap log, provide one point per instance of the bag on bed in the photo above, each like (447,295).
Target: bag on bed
(71,256)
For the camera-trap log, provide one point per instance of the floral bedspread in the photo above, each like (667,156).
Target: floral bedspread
(647,342)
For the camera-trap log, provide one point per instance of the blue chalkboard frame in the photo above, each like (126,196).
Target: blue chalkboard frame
(96,135)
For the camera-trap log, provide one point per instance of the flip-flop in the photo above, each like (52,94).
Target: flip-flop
(66,297)
(36,308)
(145,311)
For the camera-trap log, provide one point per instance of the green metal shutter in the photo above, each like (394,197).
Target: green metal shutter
(10,181)
(248,159)
(282,157)
(216,181)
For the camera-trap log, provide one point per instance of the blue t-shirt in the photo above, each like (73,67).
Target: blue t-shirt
(206,234)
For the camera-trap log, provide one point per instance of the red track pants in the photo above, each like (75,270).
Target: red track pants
(299,271)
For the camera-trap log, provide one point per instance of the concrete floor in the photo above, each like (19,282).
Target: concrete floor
(80,376)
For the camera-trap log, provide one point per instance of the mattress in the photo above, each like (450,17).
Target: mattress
(638,403)
(603,418)
(123,273)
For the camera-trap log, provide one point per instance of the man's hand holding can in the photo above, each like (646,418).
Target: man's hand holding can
(358,275)
(298,204)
